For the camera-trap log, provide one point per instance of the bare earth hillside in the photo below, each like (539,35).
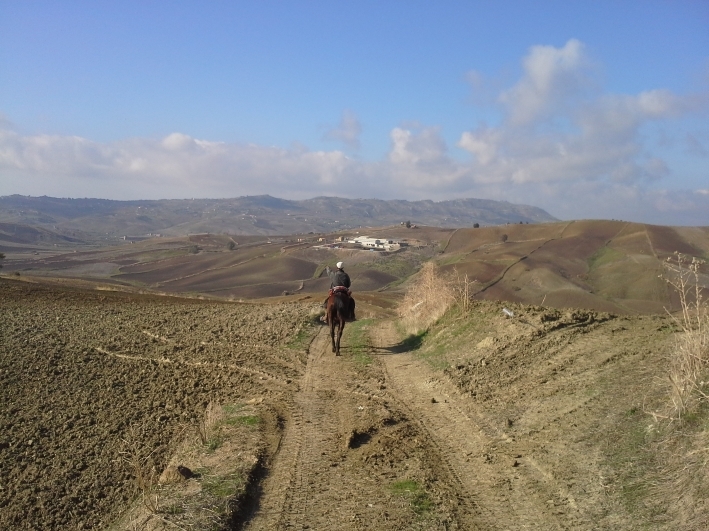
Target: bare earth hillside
(610,266)
(128,411)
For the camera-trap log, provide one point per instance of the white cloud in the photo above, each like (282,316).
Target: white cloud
(558,126)
(553,77)
(176,141)
(175,166)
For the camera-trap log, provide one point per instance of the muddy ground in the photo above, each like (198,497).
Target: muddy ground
(487,422)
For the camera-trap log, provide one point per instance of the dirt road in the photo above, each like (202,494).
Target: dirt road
(531,457)
(349,457)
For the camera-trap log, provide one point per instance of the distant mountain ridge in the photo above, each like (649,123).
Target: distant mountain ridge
(251,215)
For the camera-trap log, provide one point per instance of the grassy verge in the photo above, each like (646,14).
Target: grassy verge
(208,476)
(357,340)
(452,334)
(305,333)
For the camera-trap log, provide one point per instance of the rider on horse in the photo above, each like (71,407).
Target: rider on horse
(340,278)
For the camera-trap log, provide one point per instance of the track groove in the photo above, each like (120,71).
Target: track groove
(479,455)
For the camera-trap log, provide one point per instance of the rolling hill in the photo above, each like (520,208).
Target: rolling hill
(610,266)
(101,220)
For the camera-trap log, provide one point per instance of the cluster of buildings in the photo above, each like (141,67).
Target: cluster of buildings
(381,244)
(365,242)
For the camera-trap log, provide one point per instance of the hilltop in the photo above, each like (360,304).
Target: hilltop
(102,220)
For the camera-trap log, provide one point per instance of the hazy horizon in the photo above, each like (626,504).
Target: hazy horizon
(587,110)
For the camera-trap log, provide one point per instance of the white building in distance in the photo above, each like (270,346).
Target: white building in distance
(381,244)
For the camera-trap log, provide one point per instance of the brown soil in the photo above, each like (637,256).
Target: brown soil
(499,423)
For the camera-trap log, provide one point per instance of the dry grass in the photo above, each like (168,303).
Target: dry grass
(426,300)
(689,361)
(137,459)
(682,449)
(208,429)
(463,289)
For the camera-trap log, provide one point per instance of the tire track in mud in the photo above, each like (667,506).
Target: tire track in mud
(499,487)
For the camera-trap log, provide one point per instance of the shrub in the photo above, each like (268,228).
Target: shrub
(426,301)
(689,360)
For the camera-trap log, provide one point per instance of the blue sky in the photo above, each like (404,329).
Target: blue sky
(589,109)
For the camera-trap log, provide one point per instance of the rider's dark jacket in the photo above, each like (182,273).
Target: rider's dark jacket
(339,278)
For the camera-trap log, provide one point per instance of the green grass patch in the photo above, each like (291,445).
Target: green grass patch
(246,420)
(214,442)
(398,266)
(449,337)
(319,270)
(232,409)
(605,255)
(303,337)
(356,338)
(223,486)
(435,357)
(233,416)
(417,496)
(413,341)
(630,460)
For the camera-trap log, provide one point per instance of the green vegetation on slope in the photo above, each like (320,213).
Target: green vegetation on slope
(605,255)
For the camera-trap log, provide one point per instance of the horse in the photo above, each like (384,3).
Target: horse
(338,311)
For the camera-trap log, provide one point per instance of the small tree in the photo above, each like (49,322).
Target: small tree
(476,225)
(231,245)
(408,224)
(503,238)
(2,257)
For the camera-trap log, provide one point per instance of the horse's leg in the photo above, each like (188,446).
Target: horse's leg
(340,329)
(332,331)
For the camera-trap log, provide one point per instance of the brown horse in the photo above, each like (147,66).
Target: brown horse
(338,311)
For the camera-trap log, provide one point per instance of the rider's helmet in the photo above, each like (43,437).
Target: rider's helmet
(339,265)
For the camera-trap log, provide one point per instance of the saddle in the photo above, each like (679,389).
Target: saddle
(339,289)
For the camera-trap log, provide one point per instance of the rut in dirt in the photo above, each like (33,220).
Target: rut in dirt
(345,447)
(496,492)
(303,488)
